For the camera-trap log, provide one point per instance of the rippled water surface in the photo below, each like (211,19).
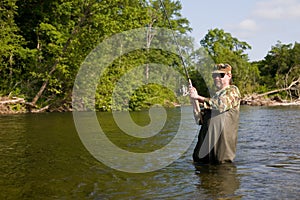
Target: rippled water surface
(42,157)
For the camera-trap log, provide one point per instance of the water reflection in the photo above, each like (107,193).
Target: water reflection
(218,180)
(42,157)
(13,147)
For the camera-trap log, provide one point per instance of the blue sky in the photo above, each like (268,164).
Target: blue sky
(260,23)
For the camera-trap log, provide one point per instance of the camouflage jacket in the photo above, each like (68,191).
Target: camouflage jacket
(224,99)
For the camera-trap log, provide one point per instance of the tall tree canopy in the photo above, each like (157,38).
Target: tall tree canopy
(224,48)
(11,50)
(43,43)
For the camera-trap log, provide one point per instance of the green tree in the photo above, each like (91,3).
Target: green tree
(63,33)
(44,43)
(280,68)
(224,48)
(154,16)
(11,48)
(54,30)
(217,40)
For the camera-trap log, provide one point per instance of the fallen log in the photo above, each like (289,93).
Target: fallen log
(262,100)
(280,90)
(14,100)
(7,105)
(40,110)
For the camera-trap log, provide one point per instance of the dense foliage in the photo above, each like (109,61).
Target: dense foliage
(281,69)
(43,44)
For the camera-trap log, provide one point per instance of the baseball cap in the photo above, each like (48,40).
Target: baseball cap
(222,68)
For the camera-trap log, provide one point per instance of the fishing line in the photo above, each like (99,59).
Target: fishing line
(176,42)
(194,102)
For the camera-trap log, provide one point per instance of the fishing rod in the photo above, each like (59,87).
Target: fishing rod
(194,102)
(176,42)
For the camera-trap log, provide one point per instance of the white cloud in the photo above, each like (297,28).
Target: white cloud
(278,9)
(245,29)
(248,25)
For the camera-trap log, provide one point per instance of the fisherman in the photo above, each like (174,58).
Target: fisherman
(219,118)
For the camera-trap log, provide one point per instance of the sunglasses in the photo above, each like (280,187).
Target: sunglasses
(221,75)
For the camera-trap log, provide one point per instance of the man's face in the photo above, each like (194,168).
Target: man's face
(221,80)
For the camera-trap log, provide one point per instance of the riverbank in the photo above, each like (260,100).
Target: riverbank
(257,100)
(13,105)
(17,105)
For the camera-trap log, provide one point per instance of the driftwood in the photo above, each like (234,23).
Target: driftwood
(40,110)
(7,103)
(280,90)
(14,100)
(260,100)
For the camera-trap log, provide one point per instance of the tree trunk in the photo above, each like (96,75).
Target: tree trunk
(279,90)
(53,68)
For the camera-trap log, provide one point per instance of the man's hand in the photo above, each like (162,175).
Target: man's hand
(193,93)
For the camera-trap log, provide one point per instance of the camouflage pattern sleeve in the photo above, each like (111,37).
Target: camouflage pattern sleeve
(224,99)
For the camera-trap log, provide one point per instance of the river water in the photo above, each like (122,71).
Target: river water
(42,157)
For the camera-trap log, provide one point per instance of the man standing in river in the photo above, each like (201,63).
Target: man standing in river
(220,119)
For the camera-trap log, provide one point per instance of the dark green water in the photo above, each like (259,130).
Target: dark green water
(42,157)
